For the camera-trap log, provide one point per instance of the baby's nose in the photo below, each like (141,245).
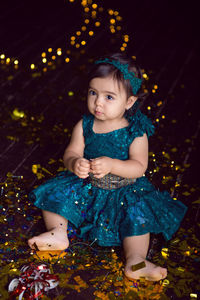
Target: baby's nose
(99,100)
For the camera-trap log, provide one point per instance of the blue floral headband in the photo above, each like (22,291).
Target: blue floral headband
(134,81)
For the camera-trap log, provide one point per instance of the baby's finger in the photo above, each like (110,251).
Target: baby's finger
(85,166)
(83,172)
(96,170)
(85,163)
(95,163)
(83,169)
(83,176)
(98,175)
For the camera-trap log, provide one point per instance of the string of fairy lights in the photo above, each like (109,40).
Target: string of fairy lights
(91,25)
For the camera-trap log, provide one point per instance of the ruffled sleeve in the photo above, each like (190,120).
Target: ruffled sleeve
(140,124)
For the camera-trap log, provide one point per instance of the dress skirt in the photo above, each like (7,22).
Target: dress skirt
(110,215)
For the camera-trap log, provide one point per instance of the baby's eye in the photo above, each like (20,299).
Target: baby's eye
(92,93)
(109,97)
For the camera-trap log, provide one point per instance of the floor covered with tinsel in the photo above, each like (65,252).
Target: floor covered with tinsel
(44,53)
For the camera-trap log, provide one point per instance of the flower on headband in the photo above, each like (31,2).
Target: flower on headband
(134,81)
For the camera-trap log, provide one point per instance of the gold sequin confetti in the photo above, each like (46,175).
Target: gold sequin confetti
(138,266)
(16,114)
(164,252)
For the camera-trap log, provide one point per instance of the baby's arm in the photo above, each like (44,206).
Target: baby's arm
(137,163)
(134,167)
(73,155)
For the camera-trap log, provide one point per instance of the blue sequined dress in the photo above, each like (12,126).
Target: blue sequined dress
(109,215)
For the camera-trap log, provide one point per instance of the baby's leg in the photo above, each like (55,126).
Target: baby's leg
(56,236)
(135,248)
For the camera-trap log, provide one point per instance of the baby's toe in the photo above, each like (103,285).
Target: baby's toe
(31,243)
(163,273)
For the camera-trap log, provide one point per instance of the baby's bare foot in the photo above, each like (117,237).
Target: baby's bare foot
(55,239)
(150,272)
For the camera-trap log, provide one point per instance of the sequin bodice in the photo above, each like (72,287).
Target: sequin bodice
(114,144)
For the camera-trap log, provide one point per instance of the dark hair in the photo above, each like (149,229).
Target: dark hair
(104,70)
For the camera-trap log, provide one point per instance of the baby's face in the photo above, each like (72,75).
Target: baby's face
(107,100)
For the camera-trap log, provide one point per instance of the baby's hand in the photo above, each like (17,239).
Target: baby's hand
(101,166)
(81,167)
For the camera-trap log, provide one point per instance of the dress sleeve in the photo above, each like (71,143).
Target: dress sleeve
(139,125)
